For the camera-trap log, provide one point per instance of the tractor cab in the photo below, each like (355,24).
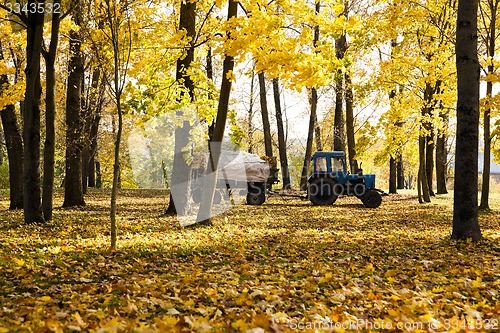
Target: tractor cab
(329,164)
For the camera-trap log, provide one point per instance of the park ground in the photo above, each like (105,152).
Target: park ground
(285,266)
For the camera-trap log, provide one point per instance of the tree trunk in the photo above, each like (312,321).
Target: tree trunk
(281,136)
(116,164)
(317,134)
(429,160)
(14,143)
(485,190)
(313,101)
(392,175)
(265,115)
(119,78)
(205,210)
(91,174)
(50,112)
(15,153)
(429,134)
(441,157)
(396,177)
(419,187)
(180,169)
(423,185)
(423,144)
(31,118)
(91,115)
(393,170)
(250,114)
(210,76)
(349,117)
(400,173)
(85,167)
(179,181)
(465,207)
(94,133)
(338,124)
(73,191)
(98,178)
(94,130)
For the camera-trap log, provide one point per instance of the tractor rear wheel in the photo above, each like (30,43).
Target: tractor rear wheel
(371,199)
(321,191)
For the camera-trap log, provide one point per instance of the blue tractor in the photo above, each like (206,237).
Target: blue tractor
(330,178)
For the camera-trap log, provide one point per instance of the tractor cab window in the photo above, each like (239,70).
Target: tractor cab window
(337,164)
(321,164)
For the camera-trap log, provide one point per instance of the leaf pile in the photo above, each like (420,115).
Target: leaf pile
(268,268)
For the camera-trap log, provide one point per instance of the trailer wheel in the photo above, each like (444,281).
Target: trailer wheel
(217,197)
(321,191)
(256,198)
(196,195)
(371,199)
(198,192)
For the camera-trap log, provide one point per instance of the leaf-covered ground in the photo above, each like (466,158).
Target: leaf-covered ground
(283,266)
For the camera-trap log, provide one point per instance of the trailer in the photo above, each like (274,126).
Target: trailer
(240,171)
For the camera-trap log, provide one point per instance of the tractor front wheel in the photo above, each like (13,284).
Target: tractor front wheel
(371,199)
(321,191)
